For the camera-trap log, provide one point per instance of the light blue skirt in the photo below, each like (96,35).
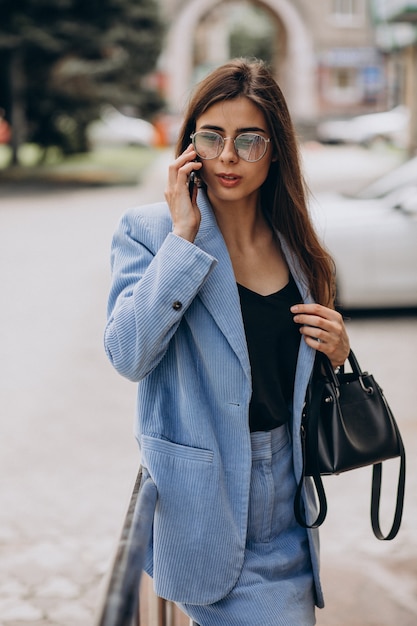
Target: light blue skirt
(275,587)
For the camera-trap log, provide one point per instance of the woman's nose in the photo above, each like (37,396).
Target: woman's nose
(229,151)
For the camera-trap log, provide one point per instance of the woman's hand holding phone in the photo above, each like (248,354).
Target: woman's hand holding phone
(181,194)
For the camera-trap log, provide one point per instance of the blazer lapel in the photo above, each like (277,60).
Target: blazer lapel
(219,293)
(220,296)
(305,361)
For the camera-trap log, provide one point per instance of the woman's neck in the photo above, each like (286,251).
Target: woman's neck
(242,224)
(254,250)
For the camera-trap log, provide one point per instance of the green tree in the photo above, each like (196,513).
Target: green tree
(243,43)
(60,60)
(253,33)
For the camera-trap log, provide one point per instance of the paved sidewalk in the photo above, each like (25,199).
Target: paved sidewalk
(68,459)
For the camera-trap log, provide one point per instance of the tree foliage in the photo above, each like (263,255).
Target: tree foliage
(254,35)
(60,60)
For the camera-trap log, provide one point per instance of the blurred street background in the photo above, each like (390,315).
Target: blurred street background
(90,105)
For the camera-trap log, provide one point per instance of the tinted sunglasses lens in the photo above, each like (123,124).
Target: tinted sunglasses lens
(207,145)
(250,147)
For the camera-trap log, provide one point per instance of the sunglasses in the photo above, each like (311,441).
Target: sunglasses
(249,146)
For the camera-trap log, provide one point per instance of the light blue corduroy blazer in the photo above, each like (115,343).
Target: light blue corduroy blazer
(175,327)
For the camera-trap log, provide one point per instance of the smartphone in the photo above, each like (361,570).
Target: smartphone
(192,184)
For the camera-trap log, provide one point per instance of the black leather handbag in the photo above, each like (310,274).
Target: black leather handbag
(347,424)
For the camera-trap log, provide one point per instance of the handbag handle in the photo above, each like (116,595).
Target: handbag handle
(356,372)
(376,471)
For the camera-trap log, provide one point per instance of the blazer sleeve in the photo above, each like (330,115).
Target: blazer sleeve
(155,277)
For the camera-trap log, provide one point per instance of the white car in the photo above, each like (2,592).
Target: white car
(115,129)
(391,126)
(372,237)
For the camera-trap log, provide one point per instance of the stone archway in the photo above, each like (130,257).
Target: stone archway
(297,75)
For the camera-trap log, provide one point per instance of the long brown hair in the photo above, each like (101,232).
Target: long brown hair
(283,195)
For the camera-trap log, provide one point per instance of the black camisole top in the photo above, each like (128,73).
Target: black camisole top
(273,341)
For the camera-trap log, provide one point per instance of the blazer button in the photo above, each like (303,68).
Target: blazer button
(177,305)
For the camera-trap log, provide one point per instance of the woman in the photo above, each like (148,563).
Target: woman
(217,306)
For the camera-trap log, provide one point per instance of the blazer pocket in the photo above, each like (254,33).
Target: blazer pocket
(163,446)
(197,552)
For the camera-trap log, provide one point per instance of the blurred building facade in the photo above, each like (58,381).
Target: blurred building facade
(327,54)
(398,18)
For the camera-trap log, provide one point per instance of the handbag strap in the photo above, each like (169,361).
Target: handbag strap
(314,407)
(376,496)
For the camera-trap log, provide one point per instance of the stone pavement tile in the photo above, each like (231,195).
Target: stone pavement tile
(12,610)
(15,603)
(50,582)
(70,614)
(42,622)
(12,589)
(58,587)
(354,598)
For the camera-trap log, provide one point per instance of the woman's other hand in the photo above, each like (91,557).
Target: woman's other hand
(184,211)
(323,330)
